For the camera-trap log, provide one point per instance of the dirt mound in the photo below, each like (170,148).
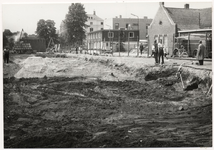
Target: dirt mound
(68,67)
(79,112)
(35,67)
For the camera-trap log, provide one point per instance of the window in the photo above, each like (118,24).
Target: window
(101,29)
(147,25)
(135,24)
(91,23)
(106,44)
(91,29)
(101,23)
(131,34)
(116,25)
(156,38)
(110,34)
(127,26)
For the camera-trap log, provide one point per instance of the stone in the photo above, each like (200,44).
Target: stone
(181,108)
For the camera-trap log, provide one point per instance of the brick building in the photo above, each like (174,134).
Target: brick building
(168,21)
(105,39)
(132,24)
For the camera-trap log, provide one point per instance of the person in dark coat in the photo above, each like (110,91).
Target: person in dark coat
(141,48)
(156,51)
(6,55)
(77,50)
(200,53)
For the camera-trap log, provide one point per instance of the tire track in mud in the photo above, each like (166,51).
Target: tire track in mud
(87,111)
(84,112)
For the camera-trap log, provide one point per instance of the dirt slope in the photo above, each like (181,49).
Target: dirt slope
(105,104)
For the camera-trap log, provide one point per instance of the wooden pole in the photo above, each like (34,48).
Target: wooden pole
(137,46)
(209,90)
(181,80)
(148,47)
(188,45)
(119,43)
(128,43)
(206,49)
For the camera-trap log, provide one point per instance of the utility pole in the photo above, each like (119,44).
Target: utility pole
(138,35)
(199,20)
(119,42)
(128,43)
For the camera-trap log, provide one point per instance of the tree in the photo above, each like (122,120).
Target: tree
(75,24)
(47,30)
(25,35)
(5,40)
(7,32)
(7,35)
(120,44)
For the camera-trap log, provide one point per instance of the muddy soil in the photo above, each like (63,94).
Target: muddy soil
(89,112)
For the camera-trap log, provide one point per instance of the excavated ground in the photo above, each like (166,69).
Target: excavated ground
(147,108)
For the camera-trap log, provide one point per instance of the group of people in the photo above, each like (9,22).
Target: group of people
(158,52)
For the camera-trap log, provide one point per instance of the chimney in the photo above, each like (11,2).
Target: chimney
(94,13)
(186,6)
(120,16)
(161,3)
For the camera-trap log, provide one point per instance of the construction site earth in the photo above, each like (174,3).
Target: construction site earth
(87,101)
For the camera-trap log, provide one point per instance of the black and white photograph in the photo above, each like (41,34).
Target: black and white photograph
(107,74)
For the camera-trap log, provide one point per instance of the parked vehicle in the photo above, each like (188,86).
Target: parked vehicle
(189,46)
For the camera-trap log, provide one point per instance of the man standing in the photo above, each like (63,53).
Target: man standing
(156,51)
(153,50)
(76,49)
(200,53)
(141,48)
(160,53)
(6,55)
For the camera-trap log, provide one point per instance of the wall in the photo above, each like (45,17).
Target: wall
(166,29)
(132,21)
(97,24)
(100,39)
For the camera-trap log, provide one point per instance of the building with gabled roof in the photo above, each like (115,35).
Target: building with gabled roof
(94,23)
(169,21)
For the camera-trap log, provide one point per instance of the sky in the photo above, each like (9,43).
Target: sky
(18,15)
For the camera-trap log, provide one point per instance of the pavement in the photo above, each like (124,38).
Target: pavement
(143,59)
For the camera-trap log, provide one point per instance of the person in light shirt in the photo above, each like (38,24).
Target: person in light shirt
(156,52)
(160,53)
